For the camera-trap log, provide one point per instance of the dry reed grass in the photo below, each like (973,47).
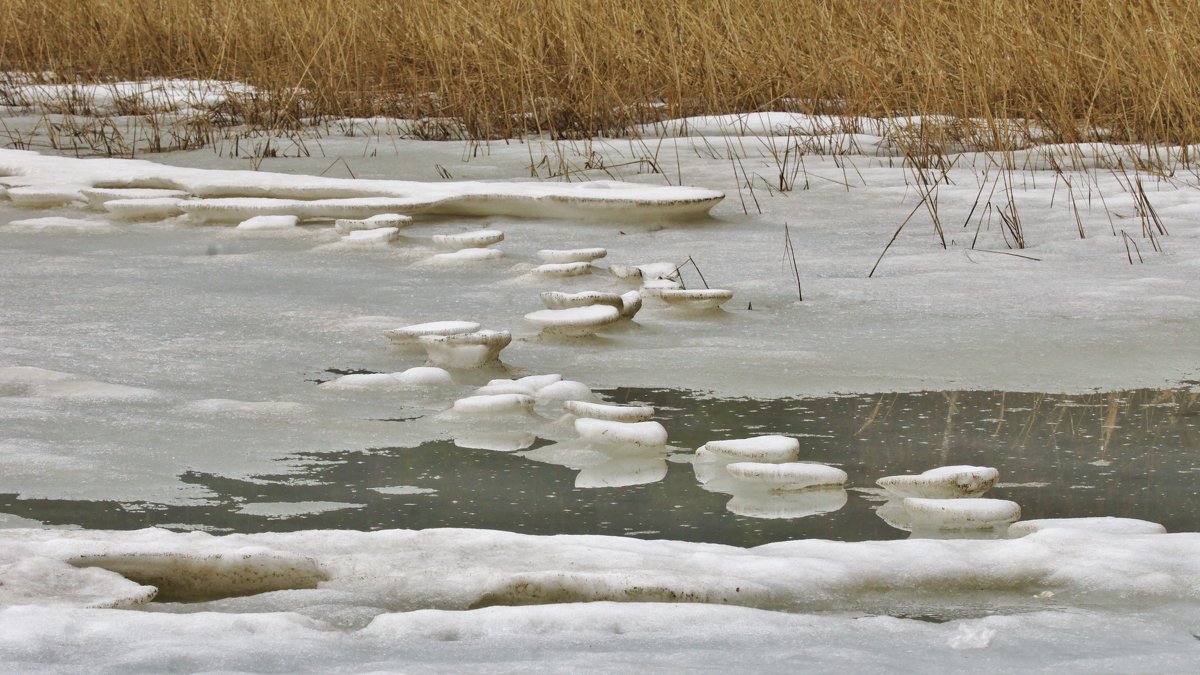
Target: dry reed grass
(1081,69)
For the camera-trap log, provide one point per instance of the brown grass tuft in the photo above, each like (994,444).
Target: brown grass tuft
(1126,70)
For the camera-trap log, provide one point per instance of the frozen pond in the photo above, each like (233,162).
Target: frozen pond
(1127,454)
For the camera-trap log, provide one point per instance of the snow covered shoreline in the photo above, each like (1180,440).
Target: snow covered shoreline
(434,597)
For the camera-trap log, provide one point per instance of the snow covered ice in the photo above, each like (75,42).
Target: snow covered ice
(149,352)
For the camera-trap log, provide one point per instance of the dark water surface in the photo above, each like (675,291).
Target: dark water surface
(1134,454)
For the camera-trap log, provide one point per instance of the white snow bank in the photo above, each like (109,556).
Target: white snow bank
(233,196)
(456,569)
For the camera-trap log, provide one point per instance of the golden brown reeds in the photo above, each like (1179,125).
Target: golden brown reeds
(1126,70)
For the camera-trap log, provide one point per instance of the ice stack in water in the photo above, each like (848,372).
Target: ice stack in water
(377,230)
(493,408)
(617,445)
(946,499)
(460,345)
(765,479)
(661,280)
(466,247)
(585,313)
(568,262)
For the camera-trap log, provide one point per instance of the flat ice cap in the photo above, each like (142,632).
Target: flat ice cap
(772,448)
(563,300)
(411,334)
(946,482)
(695,299)
(571,255)
(575,322)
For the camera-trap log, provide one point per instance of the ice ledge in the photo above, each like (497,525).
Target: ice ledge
(271,192)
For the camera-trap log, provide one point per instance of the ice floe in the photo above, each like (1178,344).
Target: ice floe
(1106,525)
(773,449)
(564,300)
(960,514)
(576,321)
(607,432)
(471,239)
(944,482)
(611,413)
(464,256)
(787,476)
(573,269)
(346,226)
(494,404)
(380,236)
(571,255)
(695,299)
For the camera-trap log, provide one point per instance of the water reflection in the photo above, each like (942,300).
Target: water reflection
(1134,454)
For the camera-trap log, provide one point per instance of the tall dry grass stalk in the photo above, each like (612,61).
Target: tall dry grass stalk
(1128,70)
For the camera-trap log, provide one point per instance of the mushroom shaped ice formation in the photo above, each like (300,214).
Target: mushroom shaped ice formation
(631,304)
(348,225)
(654,288)
(379,236)
(776,505)
(464,351)
(573,269)
(607,433)
(465,256)
(960,514)
(412,334)
(497,404)
(473,239)
(574,322)
(611,413)
(788,476)
(563,390)
(571,255)
(424,376)
(1104,525)
(695,299)
(946,482)
(537,382)
(268,223)
(771,449)
(561,300)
